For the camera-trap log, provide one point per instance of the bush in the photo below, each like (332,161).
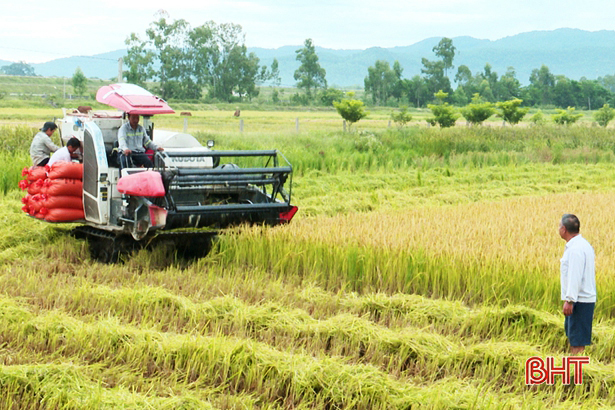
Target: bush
(328,96)
(478,111)
(402,117)
(300,99)
(443,113)
(538,118)
(604,115)
(350,109)
(510,111)
(566,117)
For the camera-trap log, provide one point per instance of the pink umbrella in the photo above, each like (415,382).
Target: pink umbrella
(132,99)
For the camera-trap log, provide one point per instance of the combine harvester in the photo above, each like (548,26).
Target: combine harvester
(190,193)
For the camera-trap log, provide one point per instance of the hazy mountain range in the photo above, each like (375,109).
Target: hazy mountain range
(571,52)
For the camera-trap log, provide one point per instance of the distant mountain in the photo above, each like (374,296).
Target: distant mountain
(571,52)
(103,66)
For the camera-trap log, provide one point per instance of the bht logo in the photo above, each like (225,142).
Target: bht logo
(539,371)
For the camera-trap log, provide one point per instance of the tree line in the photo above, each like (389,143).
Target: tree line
(385,85)
(186,61)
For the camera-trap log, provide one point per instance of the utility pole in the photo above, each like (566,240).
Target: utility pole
(120,74)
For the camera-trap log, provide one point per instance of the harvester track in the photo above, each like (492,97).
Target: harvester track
(108,247)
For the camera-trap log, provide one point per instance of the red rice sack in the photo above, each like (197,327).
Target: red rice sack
(36,187)
(62,214)
(26,203)
(34,173)
(68,202)
(36,203)
(63,187)
(24,184)
(63,169)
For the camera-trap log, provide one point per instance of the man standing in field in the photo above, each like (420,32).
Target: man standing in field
(578,284)
(42,145)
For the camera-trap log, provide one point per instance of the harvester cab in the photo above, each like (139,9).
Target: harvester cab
(190,186)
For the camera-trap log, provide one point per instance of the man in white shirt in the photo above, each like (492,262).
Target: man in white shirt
(65,153)
(578,284)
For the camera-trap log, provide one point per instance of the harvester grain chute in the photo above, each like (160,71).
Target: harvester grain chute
(190,194)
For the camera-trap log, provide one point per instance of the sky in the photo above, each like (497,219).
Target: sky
(37,31)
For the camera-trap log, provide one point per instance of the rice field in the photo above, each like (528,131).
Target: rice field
(421,271)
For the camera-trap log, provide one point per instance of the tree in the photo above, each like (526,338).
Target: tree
(490,78)
(402,117)
(274,74)
(190,59)
(399,86)
(416,89)
(565,92)
(465,86)
(276,80)
(443,113)
(459,97)
(487,84)
(592,93)
(446,51)
(542,83)
(510,111)
(380,81)
(509,88)
(434,76)
(350,109)
(566,117)
(478,110)
(329,95)
(604,115)
(233,72)
(139,61)
(176,76)
(310,75)
(80,82)
(248,75)
(463,76)
(21,68)
(484,89)
(608,82)
(436,71)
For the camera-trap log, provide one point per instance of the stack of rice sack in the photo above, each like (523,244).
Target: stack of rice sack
(54,193)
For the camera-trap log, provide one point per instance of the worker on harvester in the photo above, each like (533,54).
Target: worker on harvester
(42,145)
(66,153)
(132,141)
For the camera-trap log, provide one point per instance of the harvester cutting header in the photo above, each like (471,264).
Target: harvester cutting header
(188,185)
